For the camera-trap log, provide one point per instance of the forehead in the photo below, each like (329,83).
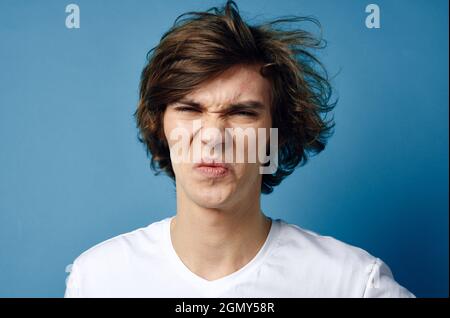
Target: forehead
(238,83)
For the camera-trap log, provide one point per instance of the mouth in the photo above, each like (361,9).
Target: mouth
(213,170)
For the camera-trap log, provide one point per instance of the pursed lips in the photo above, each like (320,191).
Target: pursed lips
(213,169)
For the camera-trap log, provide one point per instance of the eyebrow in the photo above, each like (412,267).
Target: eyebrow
(244,105)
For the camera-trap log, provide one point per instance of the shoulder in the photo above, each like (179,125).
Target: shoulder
(109,264)
(343,268)
(115,253)
(322,247)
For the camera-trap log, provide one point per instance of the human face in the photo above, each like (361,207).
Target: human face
(238,98)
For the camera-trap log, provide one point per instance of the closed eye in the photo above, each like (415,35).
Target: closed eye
(245,113)
(186,109)
(195,110)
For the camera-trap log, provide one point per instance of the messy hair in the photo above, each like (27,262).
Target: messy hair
(201,45)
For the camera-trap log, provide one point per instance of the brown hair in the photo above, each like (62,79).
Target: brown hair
(201,45)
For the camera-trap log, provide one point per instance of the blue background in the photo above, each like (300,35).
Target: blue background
(73,174)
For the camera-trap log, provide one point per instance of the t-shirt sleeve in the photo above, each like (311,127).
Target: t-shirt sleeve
(73,281)
(381,283)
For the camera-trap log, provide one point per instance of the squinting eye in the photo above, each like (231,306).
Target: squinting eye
(244,113)
(186,109)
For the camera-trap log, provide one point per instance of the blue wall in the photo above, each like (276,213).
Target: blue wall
(72,173)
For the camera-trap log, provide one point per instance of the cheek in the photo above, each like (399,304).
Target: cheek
(246,171)
(267,125)
(167,125)
(173,122)
(262,134)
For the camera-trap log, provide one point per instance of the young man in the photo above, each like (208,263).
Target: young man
(212,77)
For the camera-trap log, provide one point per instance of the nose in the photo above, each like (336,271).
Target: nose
(212,131)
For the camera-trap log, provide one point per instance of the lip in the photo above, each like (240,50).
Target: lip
(213,170)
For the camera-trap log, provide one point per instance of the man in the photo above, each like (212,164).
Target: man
(211,78)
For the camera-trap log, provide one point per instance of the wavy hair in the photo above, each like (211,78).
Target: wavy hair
(201,45)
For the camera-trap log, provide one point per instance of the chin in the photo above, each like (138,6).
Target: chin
(213,197)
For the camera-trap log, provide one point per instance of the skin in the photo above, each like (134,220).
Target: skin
(219,226)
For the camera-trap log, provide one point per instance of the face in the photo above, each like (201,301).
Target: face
(237,100)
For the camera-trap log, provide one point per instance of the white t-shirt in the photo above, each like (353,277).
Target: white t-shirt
(293,262)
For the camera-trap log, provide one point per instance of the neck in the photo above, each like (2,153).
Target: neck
(214,243)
